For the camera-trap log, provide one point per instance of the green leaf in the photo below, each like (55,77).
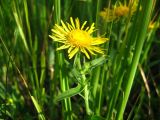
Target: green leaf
(38,108)
(96,118)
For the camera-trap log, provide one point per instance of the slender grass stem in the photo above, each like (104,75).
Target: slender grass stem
(95,81)
(57,9)
(18,20)
(37,106)
(101,91)
(97,12)
(142,34)
(66,103)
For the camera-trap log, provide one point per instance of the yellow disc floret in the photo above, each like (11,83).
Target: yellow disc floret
(79,38)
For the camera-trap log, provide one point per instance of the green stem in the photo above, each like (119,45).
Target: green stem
(86,94)
(95,81)
(57,12)
(83,80)
(100,92)
(113,100)
(147,7)
(97,12)
(66,92)
(68,102)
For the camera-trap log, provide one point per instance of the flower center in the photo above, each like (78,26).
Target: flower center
(79,38)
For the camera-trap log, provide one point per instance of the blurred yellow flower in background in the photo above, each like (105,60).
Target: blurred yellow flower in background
(153,25)
(77,38)
(118,10)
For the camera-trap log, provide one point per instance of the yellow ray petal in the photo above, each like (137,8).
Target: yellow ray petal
(73,52)
(70,49)
(70,27)
(83,25)
(71,19)
(87,29)
(57,33)
(60,29)
(77,23)
(91,29)
(57,39)
(63,47)
(97,49)
(91,51)
(64,26)
(85,52)
(97,41)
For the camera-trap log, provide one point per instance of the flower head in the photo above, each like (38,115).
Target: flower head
(77,38)
(108,15)
(118,10)
(121,10)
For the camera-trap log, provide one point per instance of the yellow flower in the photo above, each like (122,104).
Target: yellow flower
(118,10)
(121,10)
(77,38)
(108,15)
(153,25)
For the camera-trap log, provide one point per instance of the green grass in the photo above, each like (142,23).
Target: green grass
(38,82)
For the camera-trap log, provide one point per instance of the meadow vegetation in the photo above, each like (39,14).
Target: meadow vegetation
(79,59)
